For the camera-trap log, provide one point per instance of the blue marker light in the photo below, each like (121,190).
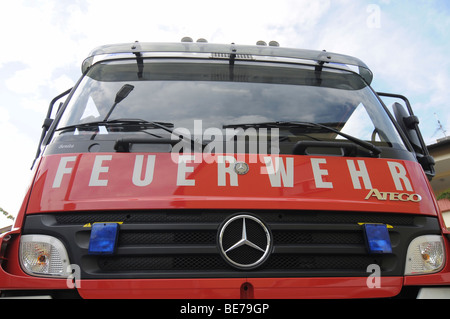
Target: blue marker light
(377,239)
(103,238)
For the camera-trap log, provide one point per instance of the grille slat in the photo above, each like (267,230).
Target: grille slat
(212,216)
(165,250)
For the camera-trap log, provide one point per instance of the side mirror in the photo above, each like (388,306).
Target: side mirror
(123,93)
(409,124)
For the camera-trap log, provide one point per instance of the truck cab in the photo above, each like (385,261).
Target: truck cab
(200,170)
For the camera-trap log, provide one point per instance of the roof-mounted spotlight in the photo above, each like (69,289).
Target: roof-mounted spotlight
(187,39)
(261,42)
(201,40)
(274,44)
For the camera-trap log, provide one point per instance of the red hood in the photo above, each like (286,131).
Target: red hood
(106,181)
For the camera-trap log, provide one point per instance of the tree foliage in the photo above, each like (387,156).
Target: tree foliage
(8,215)
(444,195)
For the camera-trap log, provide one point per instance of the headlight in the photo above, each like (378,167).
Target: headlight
(42,255)
(426,254)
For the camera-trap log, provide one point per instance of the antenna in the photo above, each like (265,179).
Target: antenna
(440,127)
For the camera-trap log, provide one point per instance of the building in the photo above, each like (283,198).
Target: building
(441,182)
(5,229)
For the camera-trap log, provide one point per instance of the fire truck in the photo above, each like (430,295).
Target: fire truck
(202,170)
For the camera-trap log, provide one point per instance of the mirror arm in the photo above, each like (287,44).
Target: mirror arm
(47,123)
(412,122)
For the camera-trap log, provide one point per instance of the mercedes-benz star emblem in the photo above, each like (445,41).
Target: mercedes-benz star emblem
(245,241)
(241,168)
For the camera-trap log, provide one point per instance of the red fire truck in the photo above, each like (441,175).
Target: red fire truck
(200,170)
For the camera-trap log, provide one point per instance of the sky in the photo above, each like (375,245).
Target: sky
(43,43)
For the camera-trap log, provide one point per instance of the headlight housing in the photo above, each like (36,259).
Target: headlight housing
(425,255)
(42,255)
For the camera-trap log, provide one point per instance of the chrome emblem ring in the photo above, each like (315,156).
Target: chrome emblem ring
(244,241)
(241,168)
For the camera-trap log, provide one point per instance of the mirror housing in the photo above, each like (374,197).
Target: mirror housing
(408,125)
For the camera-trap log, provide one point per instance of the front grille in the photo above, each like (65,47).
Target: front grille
(183,243)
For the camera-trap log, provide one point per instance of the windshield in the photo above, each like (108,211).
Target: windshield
(210,98)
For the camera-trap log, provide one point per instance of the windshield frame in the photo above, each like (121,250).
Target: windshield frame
(288,66)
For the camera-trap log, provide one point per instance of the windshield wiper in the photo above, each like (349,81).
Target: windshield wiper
(168,127)
(121,122)
(375,150)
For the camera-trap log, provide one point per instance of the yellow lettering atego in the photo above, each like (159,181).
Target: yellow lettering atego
(403,197)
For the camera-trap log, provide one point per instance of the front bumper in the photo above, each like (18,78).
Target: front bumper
(235,288)
(107,278)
